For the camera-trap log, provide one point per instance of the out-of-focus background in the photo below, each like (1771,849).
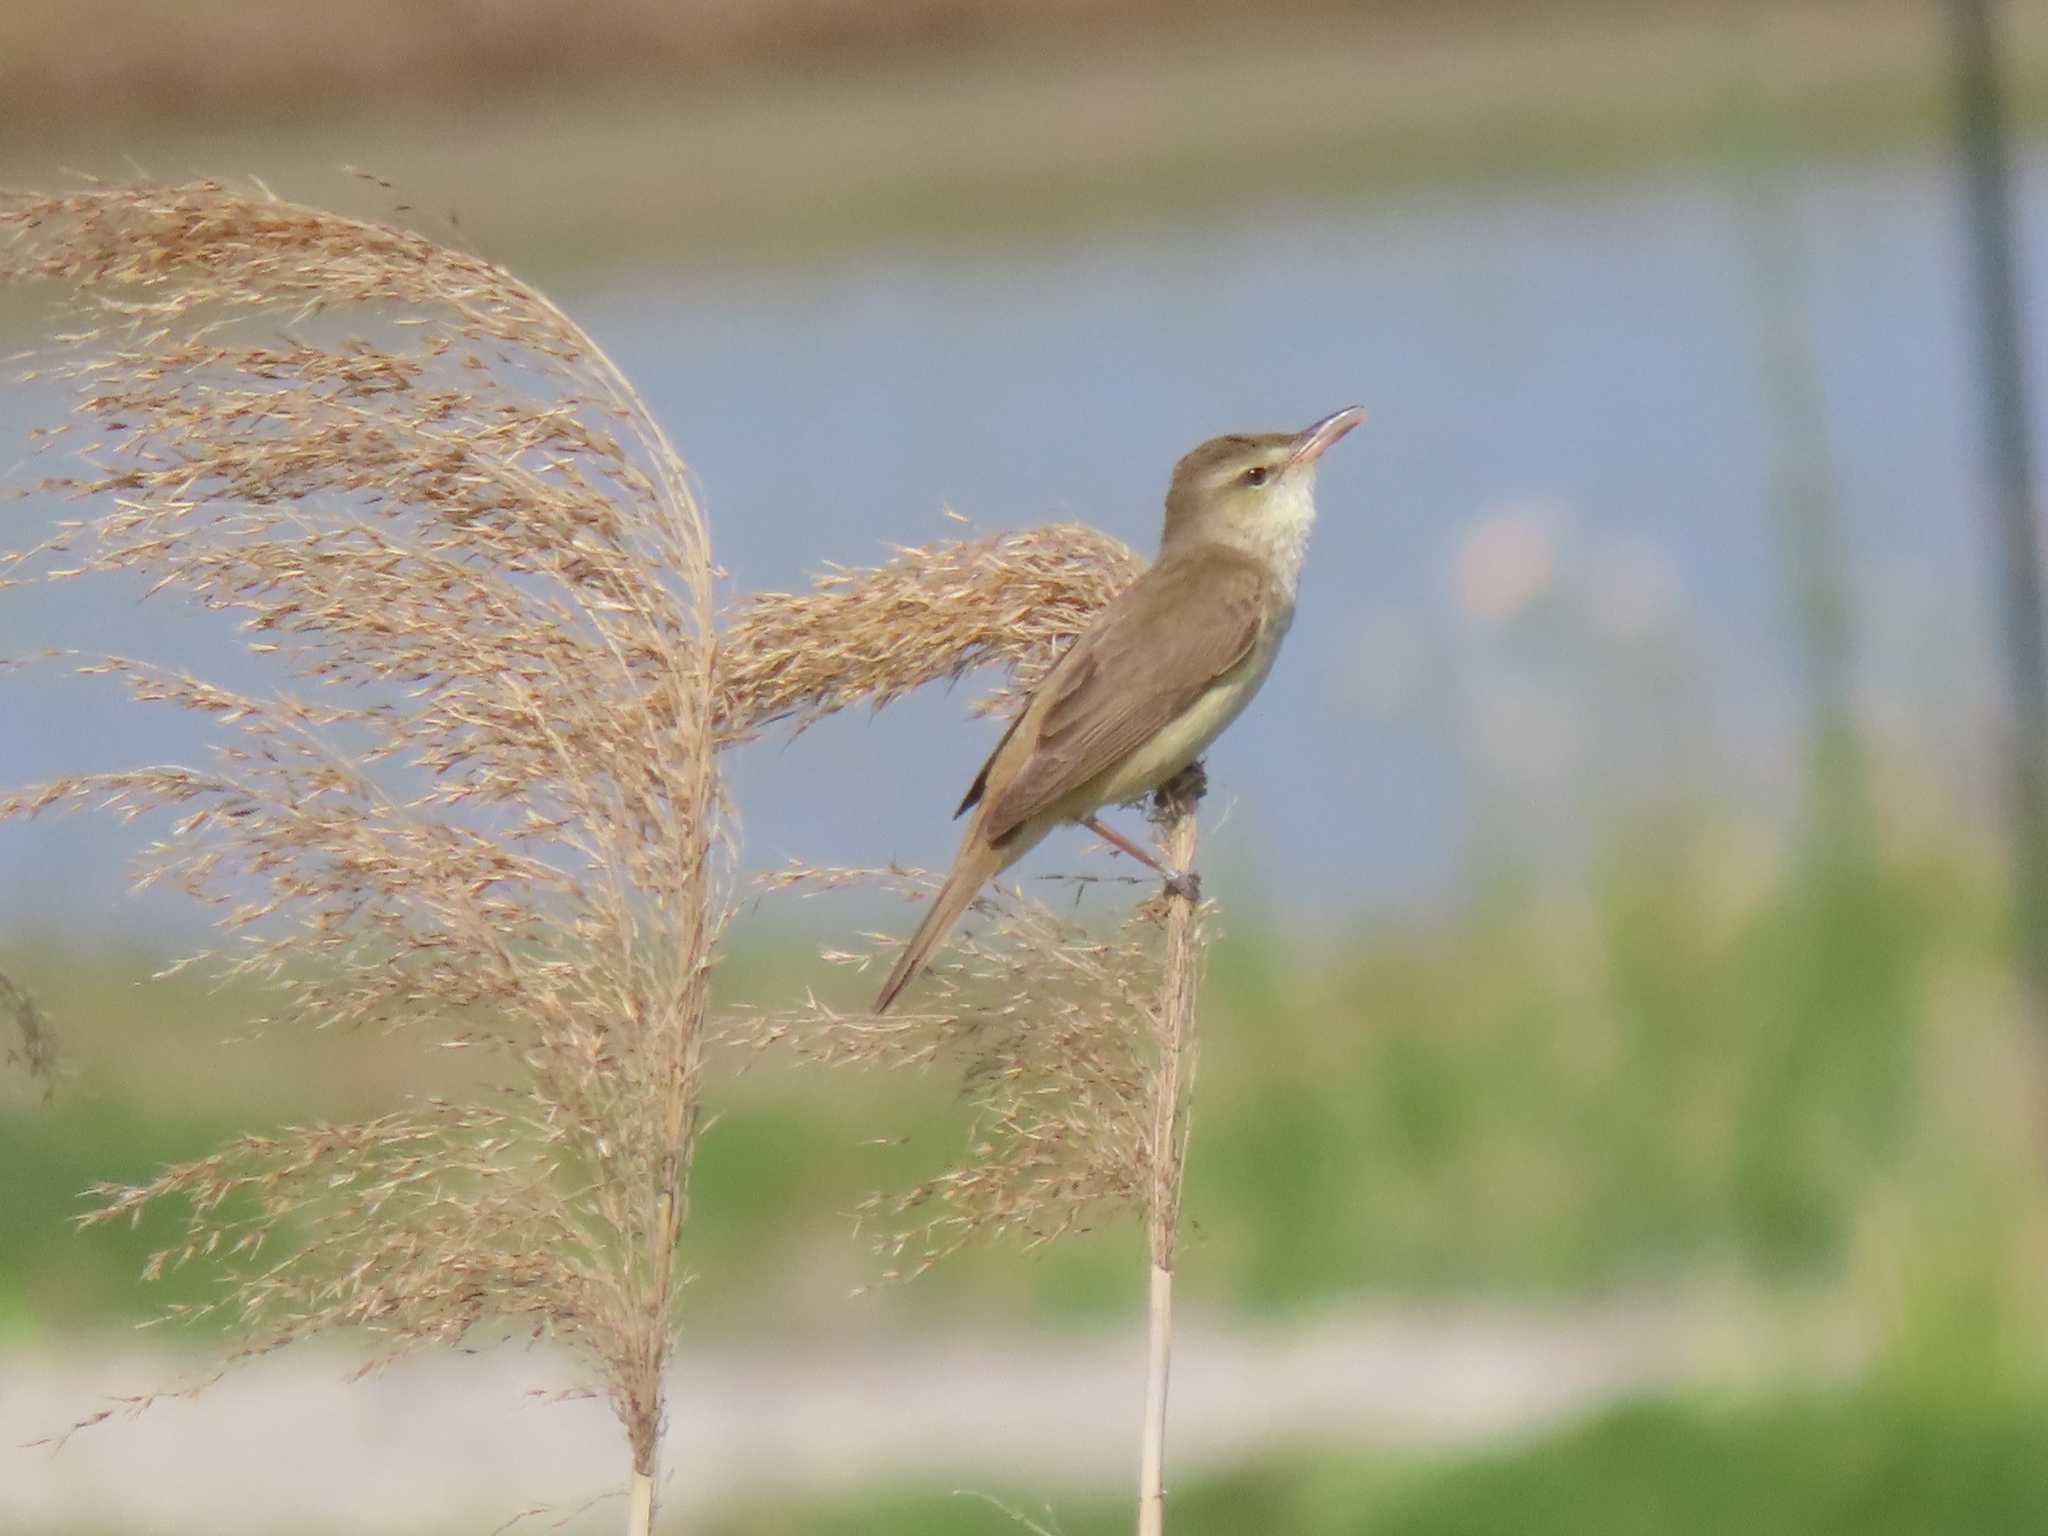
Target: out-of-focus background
(1621,1108)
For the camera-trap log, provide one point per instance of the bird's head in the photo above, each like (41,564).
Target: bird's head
(1253,491)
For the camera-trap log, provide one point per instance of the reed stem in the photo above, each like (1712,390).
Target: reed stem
(1174,811)
(640,1504)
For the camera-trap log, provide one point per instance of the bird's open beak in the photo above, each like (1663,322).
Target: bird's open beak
(1309,446)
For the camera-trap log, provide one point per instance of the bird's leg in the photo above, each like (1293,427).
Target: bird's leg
(1116,839)
(1185,883)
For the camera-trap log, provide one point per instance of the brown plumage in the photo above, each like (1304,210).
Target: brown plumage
(1163,669)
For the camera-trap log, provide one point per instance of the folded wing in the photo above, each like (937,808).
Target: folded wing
(1148,658)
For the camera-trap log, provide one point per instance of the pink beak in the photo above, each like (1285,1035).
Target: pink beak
(1310,445)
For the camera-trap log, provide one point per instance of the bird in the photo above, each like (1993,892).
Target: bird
(1154,679)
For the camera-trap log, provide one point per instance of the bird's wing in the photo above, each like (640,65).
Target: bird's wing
(975,790)
(1144,662)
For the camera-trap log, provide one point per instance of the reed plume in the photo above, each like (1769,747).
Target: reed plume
(1077,1052)
(931,614)
(483,803)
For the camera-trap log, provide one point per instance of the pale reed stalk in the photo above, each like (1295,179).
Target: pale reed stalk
(640,1502)
(1172,1086)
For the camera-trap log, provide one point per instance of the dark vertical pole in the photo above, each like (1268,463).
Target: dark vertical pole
(1988,174)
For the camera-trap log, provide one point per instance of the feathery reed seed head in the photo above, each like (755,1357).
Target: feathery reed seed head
(484,802)
(932,613)
(1058,1036)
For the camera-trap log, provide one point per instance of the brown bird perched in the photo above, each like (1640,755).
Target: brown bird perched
(1154,680)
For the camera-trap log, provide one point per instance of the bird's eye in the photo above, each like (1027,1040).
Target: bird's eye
(1256,475)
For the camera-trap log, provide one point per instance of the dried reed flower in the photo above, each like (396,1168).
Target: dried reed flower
(1058,1033)
(1077,1054)
(933,613)
(1052,1029)
(495,811)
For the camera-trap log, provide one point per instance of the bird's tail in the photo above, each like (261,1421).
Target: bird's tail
(977,864)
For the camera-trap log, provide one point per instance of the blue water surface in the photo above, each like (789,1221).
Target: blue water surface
(1585,361)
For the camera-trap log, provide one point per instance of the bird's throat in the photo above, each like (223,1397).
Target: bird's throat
(1279,539)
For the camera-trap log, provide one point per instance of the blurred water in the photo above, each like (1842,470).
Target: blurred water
(1563,384)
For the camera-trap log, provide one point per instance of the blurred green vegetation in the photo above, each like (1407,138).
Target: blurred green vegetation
(54,1277)
(1708,1057)
(1871,1463)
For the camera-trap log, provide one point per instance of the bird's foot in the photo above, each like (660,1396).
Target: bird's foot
(1187,885)
(1180,794)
